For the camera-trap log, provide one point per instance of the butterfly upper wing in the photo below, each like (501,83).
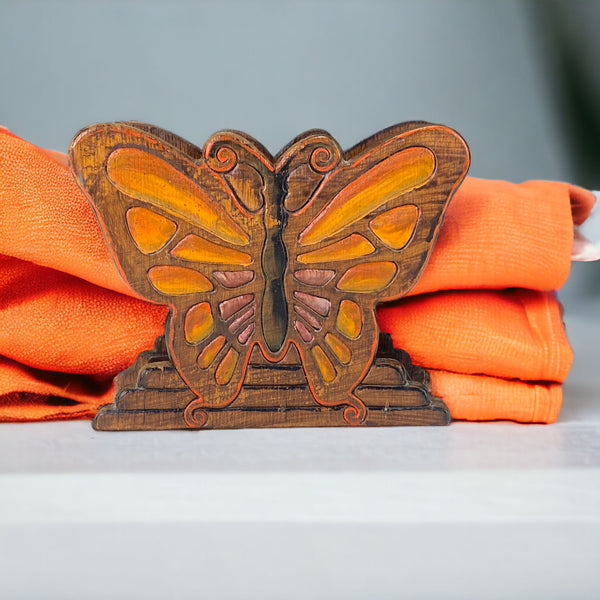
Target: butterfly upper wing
(364,236)
(181,234)
(384,202)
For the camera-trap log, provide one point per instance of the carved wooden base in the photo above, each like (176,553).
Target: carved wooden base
(151,395)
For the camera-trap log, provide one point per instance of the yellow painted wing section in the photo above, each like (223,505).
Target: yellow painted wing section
(151,179)
(172,280)
(149,230)
(197,249)
(349,319)
(368,277)
(199,323)
(351,247)
(388,179)
(396,226)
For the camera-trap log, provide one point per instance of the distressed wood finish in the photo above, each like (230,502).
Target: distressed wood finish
(272,268)
(152,395)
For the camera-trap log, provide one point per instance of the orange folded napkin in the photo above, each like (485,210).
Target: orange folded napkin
(483,318)
(491,354)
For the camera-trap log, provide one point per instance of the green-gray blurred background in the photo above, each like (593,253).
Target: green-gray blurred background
(519,79)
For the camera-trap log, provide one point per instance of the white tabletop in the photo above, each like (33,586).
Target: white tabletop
(473,510)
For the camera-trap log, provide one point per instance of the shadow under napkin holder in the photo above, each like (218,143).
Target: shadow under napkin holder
(272,268)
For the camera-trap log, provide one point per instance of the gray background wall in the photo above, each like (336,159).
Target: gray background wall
(275,68)
(493,70)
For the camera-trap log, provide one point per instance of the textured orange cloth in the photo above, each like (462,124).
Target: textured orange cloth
(68,322)
(491,354)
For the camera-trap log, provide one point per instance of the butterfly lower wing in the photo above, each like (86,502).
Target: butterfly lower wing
(215,367)
(365,236)
(336,340)
(179,236)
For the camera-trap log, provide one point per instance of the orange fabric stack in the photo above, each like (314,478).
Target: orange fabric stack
(483,318)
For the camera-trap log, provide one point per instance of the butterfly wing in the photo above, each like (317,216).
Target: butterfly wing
(184,227)
(363,236)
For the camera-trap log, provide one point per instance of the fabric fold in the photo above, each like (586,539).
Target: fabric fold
(29,394)
(45,218)
(500,235)
(512,334)
(51,320)
(484,398)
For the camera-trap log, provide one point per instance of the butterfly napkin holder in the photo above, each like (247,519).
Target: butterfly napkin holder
(272,268)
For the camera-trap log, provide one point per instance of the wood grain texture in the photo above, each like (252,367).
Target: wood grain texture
(152,395)
(275,259)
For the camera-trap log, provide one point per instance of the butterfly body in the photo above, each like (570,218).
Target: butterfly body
(251,250)
(273,262)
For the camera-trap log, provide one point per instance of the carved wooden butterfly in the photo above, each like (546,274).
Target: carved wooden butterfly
(253,250)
